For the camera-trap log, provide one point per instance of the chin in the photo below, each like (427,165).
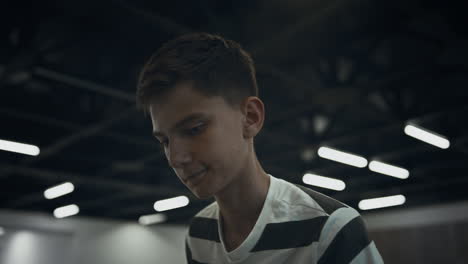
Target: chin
(202,195)
(203,192)
(205,189)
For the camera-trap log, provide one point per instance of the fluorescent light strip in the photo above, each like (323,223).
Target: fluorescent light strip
(381,202)
(59,190)
(342,157)
(152,219)
(19,147)
(324,182)
(66,211)
(388,169)
(171,203)
(427,136)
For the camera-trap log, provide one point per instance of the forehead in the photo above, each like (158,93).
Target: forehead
(182,102)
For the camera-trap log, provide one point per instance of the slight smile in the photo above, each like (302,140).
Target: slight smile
(195,179)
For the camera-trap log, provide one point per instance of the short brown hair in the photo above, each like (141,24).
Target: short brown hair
(216,67)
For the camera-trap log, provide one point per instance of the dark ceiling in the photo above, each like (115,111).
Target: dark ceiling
(344,74)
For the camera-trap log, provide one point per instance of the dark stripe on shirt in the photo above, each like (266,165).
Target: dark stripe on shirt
(290,234)
(327,203)
(204,228)
(347,244)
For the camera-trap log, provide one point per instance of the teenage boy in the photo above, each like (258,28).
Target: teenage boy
(201,93)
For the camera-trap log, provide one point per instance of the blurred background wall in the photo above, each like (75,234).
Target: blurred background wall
(431,234)
(34,238)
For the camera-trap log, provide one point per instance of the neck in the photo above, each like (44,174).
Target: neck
(242,200)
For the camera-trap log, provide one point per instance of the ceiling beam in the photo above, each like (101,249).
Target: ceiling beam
(70,126)
(83,84)
(80,179)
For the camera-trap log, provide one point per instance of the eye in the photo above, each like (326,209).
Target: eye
(195,130)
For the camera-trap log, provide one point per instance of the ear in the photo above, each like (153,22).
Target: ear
(254,116)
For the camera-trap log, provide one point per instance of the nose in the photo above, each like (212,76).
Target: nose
(178,154)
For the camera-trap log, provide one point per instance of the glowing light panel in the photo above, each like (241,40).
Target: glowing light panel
(19,147)
(171,203)
(324,182)
(59,190)
(388,169)
(427,136)
(342,157)
(381,202)
(152,219)
(66,211)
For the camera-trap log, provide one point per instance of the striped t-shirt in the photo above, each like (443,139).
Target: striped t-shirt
(296,225)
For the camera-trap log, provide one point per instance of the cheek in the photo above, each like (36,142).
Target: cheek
(228,146)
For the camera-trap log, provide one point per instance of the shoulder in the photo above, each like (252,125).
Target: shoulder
(338,215)
(299,198)
(343,236)
(298,217)
(327,204)
(344,239)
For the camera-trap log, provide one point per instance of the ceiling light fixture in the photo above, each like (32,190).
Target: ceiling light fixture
(324,182)
(19,147)
(381,202)
(152,219)
(66,211)
(59,190)
(342,157)
(427,136)
(171,203)
(388,169)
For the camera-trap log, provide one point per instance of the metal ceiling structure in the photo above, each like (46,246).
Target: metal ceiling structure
(344,74)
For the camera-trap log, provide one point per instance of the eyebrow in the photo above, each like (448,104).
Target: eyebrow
(181,123)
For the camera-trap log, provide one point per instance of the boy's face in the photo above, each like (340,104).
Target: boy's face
(202,137)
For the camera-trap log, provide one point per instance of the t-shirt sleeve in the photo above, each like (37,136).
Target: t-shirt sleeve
(344,239)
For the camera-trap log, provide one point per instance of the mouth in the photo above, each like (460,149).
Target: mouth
(195,178)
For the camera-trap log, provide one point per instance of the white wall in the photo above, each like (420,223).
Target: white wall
(32,238)
(432,234)
(400,218)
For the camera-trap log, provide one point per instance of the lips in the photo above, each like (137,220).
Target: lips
(196,174)
(194,177)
